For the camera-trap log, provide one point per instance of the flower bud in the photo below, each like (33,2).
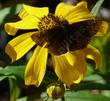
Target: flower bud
(55,90)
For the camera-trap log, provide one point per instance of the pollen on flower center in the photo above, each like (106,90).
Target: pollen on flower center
(50,21)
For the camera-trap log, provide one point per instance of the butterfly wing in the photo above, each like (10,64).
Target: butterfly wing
(81,33)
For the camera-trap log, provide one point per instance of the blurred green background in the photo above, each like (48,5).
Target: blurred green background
(94,87)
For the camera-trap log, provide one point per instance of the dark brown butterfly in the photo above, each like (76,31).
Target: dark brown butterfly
(66,37)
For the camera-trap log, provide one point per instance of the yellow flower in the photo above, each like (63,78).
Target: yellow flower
(65,35)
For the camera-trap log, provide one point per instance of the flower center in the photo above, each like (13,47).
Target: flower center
(62,37)
(51,21)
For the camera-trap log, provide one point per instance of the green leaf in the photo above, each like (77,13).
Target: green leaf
(97,42)
(96,8)
(22,99)
(92,82)
(106,40)
(80,96)
(7,12)
(13,70)
(105,93)
(90,68)
(95,78)
(2,77)
(14,89)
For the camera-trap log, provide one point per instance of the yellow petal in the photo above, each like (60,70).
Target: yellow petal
(74,14)
(92,53)
(36,67)
(19,46)
(103,29)
(39,12)
(69,58)
(65,71)
(30,22)
(63,9)
(80,63)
